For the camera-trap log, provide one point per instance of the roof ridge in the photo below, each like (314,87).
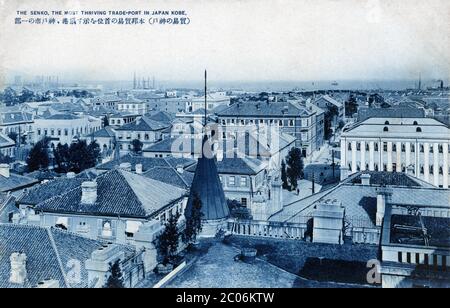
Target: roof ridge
(58,257)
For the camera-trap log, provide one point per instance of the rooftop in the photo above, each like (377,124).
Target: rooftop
(263,109)
(119,193)
(144,124)
(46,250)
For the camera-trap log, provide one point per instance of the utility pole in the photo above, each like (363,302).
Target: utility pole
(206,77)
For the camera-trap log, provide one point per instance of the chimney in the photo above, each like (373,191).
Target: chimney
(180,169)
(138,168)
(4,170)
(70,175)
(48,284)
(365,179)
(18,268)
(383,197)
(89,192)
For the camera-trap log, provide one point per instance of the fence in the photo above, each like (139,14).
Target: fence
(360,229)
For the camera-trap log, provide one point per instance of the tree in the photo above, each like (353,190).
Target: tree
(193,221)
(83,156)
(137,146)
(351,106)
(13,136)
(169,238)
(115,279)
(38,157)
(284,176)
(61,154)
(294,167)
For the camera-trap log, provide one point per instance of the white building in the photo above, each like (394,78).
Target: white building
(63,128)
(419,146)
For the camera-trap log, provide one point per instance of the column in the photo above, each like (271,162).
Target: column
(343,152)
(436,164)
(407,154)
(426,162)
(389,156)
(363,156)
(399,157)
(417,159)
(371,156)
(380,155)
(353,156)
(445,164)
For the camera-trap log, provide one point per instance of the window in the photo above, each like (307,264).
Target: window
(403,148)
(39,132)
(358,146)
(59,132)
(385,146)
(244,201)
(418,129)
(386,123)
(441,149)
(408,257)
(291,122)
(394,147)
(349,146)
(415,123)
(367,147)
(376,147)
(243,181)
(441,170)
(400,257)
(52,132)
(66,132)
(231,181)
(386,129)
(422,148)
(413,148)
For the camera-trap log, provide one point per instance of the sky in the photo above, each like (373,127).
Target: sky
(255,40)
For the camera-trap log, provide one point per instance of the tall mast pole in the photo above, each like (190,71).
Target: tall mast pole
(206,77)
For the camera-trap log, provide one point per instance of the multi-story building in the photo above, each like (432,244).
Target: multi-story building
(294,119)
(144,129)
(13,121)
(214,100)
(132,105)
(63,128)
(7,145)
(107,101)
(419,146)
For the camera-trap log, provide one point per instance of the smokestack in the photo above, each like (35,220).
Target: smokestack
(89,192)
(18,268)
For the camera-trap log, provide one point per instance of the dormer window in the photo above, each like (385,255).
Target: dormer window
(418,129)
(386,123)
(415,123)
(386,129)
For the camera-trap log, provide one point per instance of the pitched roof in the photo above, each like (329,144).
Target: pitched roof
(207,186)
(237,165)
(360,200)
(163,116)
(263,109)
(395,112)
(144,124)
(15,117)
(106,132)
(15,182)
(48,190)
(119,193)
(170,175)
(147,162)
(5,141)
(46,250)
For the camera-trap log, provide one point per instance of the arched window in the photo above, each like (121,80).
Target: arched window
(418,129)
(415,123)
(349,146)
(386,123)
(441,170)
(394,147)
(376,147)
(367,147)
(403,147)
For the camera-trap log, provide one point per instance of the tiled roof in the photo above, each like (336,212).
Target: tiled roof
(119,193)
(15,117)
(15,182)
(61,116)
(46,249)
(366,113)
(163,117)
(360,201)
(106,99)
(237,165)
(171,176)
(144,124)
(106,132)
(147,162)
(5,141)
(263,109)
(387,178)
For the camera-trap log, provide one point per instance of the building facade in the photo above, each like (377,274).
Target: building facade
(419,146)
